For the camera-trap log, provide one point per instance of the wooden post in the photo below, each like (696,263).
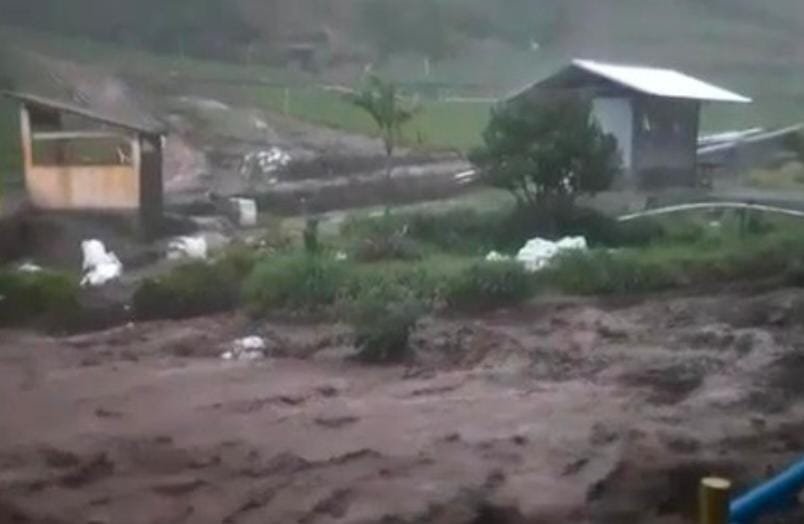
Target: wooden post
(26,142)
(713,503)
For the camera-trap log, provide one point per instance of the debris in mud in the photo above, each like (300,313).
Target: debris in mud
(188,247)
(246,212)
(248,348)
(494,256)
(29,267)
(264,162)
(538,252)
(100,266)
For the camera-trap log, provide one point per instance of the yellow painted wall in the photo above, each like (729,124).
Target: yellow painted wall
(84,187)
(110,187)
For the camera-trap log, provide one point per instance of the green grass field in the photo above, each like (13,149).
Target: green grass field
(439,124)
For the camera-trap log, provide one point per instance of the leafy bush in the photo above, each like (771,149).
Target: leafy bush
(599,229)
(488,285)
(601,272)
(192,289)
(794,275)
(467,231)
(383,319)
(385,238)
(459,230)
(547,152)
(45,297)
(666,266)
(297,282)
(462,230)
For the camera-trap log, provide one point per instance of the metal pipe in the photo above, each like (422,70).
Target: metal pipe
(777,494)
(711,205)
(713,501)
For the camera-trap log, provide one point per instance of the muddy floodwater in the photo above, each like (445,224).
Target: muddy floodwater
(565,411)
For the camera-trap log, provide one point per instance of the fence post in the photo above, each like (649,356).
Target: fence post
(713,501)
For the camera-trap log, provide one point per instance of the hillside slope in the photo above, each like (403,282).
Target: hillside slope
(749,47)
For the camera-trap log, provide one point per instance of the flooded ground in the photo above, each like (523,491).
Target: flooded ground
(565,411)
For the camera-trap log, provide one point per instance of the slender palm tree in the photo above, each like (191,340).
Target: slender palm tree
(382,101)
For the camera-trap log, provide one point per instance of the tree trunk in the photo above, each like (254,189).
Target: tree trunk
(389,169)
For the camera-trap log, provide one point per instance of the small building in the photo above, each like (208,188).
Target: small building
(77,160)
(653,113)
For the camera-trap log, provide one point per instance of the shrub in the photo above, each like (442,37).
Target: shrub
(601,272)
(192,289)
(423,280)
(385,239)
(45,297)
(468,231)
(238,261)
(460,230)
(457,230)
(794,275)
(547,152)
(296,282)
(667,266)
(488,285)
(383,319)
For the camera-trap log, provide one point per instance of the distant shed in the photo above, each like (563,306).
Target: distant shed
(653,113)
(76,159)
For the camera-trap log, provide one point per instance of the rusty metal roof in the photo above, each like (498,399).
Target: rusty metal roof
(143,125)
(653,81)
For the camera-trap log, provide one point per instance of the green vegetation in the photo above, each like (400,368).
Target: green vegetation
(489,285)
(470,231)
(296,283)
(437,124)
(195,288)
(383,319)
(45,297)
(714,258)
(546,154)
(385,238)
(789,176)
(380,99)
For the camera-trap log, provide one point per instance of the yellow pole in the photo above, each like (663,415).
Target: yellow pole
(713,503)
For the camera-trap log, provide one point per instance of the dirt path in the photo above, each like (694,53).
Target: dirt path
(574,412)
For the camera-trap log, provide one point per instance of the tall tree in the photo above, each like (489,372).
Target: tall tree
(547,153)
(383,103)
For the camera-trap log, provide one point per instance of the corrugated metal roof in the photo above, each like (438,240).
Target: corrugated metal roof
(660,82)
(142,126)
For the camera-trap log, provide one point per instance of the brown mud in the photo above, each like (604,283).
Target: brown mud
(571,411)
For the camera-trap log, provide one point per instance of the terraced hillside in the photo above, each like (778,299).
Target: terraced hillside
(751,47)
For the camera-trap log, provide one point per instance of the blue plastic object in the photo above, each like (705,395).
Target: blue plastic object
(778,494)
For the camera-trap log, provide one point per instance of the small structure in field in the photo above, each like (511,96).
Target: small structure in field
(77,160)
(653,113)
